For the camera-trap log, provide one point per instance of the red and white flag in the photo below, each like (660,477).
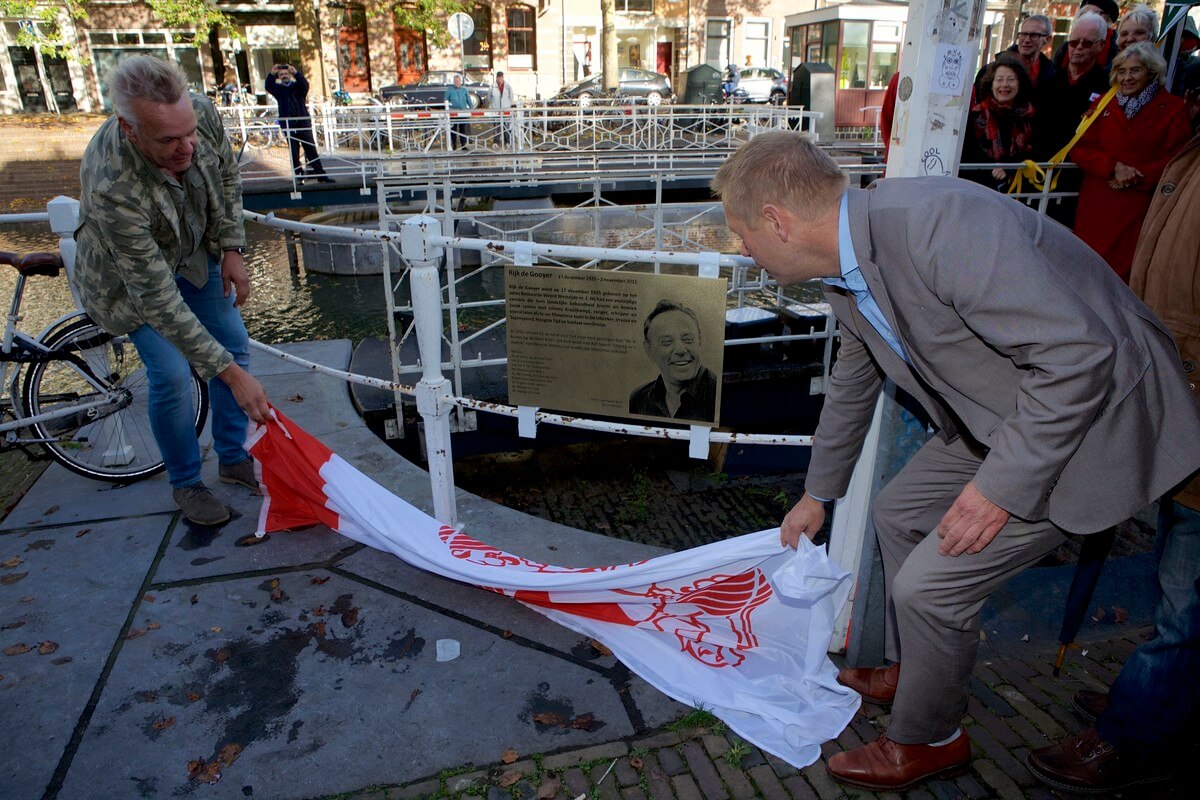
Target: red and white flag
(739,627)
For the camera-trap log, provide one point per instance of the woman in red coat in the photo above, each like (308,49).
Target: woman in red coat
(1123,154)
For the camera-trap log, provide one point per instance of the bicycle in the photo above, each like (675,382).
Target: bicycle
(83,392)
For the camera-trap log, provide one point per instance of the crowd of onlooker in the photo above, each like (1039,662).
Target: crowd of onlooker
(1030,105)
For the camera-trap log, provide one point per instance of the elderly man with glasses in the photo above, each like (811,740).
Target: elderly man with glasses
(1068,94)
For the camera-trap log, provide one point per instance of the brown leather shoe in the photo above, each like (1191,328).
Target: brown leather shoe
(1090,704)
(876,684)
(885,765)
(1087,764)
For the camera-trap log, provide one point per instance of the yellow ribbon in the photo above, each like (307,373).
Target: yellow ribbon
(1035,175)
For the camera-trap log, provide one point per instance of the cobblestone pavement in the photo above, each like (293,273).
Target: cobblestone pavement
(1016,706)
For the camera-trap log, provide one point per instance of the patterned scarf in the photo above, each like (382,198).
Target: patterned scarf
(1132,105)
(1004,133)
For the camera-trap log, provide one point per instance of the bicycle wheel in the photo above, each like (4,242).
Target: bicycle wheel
(113,441)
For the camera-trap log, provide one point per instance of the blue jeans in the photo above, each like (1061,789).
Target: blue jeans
(1158,691)
(172,413)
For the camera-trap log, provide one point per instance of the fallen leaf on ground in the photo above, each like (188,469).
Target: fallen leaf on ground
(549,789)
(509,756)
(350,618)
(136,633)
(148,697)
(296,398)
(319,581)
(47,647)
(319,628)
(549,718)
(319,611)
(221,656)
(1099,615)
(9,580)
(149,598)
(58,662)
(274,583)
(17,649)
(163,723)
(49,511)
(506,634)
(153,626)
(195,599)
(215,629)
(203,772)
(27,599)
(229,754)
(600,648)
(193,696)
(1120,615)
(12,562)
(635,762)
(82,532)
(277,594)
(12,625)
(586,722)
(511,777)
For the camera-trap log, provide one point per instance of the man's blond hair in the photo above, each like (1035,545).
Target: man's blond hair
(782,167)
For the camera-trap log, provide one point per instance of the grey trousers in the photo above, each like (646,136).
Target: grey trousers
(933,601)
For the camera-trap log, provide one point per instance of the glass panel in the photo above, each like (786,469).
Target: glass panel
(154,38)
(129,38)
(635,5)
(477,49)
(106,61)
(829,44)
(29,85)
(884,58)
(102,38)
(716,43)
(189,59)
(852,73)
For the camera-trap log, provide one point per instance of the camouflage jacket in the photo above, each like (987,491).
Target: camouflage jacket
(128,236)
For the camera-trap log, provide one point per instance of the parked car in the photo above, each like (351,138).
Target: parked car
(631,82)
(430,90)
(763,85)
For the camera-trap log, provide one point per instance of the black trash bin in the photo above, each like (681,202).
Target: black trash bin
(812,87)
(702,86)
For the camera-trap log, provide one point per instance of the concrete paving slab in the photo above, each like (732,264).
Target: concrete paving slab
(70,595)
(339,687)
(332,353)
(61,497)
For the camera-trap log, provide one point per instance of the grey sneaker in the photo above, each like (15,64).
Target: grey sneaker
(200,505)
(241,473)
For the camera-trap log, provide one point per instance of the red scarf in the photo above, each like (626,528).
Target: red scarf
(1004,134)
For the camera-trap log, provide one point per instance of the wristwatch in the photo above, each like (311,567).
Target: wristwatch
(241,251)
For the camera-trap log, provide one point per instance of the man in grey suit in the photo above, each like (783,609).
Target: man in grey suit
(1059,399)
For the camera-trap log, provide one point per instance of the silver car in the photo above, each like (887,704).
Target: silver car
(763,85)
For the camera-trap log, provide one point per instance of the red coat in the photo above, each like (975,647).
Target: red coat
(1108,219)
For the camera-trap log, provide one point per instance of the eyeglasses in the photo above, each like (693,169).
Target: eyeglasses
(1031,35)
(1083,42)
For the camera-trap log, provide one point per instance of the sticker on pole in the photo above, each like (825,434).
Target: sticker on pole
(461,26)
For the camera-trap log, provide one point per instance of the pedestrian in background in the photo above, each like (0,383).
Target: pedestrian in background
(289,87)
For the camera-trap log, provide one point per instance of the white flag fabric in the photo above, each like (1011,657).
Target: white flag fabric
(739,627)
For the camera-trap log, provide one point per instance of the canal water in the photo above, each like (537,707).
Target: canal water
(283,306)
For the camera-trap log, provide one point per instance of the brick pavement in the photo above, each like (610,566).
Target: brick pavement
(1015,707)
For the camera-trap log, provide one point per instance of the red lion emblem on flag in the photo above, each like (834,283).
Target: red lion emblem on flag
(710,617)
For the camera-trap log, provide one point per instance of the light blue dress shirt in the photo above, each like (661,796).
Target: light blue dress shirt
(853,282)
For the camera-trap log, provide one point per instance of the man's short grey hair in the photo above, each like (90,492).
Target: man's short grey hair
(782,167)
(1145,52)
(144,78)
(1090,19)
(663,307)
(1044,21)
(1141,14)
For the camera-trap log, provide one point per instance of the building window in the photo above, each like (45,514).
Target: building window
(756,47)
(716,43)
(110,47)
(477,49)
(852,73)
(635,5)
(522,38)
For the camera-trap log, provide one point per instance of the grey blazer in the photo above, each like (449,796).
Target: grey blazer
(1021,338)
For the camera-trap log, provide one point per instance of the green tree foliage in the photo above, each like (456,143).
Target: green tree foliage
(429,16)
(43,19)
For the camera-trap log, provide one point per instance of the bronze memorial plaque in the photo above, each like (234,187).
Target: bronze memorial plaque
(616,343)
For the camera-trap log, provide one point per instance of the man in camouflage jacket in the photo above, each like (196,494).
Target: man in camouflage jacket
(160,258)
